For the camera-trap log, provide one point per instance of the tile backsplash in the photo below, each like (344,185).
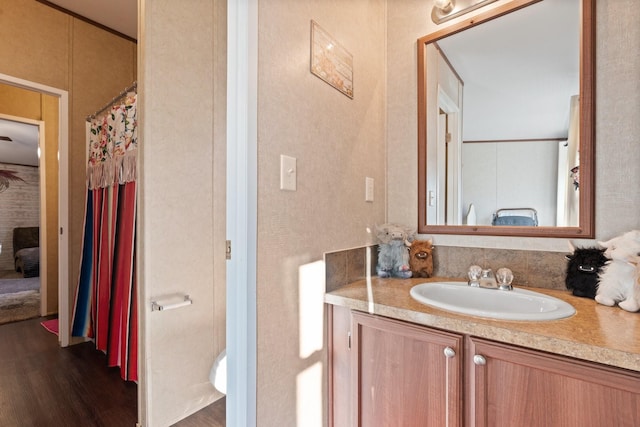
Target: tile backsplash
(537,269)
(349,265)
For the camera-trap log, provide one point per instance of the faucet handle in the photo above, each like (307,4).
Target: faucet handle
(474,275)
(505,277)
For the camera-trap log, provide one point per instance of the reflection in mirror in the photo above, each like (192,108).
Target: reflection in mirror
(505,122)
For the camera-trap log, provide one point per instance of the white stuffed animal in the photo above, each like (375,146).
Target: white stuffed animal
(619,277)
(635,262)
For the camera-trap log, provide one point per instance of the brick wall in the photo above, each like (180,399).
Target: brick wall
(19,207)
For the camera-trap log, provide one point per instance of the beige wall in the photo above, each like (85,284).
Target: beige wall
(617,117)
(46,46)
(181,217)
(338,142)
(36,106)
(617,121)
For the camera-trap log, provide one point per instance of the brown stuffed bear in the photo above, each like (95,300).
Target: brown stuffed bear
(421,258)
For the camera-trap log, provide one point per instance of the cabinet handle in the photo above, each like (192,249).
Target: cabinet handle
(449,352)
(479,360)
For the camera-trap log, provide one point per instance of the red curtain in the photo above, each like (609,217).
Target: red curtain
(106,304)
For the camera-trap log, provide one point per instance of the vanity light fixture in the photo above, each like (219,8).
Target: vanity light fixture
(444,10)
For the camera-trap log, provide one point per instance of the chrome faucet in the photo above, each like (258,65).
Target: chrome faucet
(488,280)
(484,278)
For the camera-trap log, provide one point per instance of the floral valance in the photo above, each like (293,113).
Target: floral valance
(113,145)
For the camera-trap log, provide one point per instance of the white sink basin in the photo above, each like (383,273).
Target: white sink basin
(518,304)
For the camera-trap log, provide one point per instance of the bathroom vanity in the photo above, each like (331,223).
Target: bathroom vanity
(394,361)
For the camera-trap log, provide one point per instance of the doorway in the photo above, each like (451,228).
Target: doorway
(449,160)
(23,278)
(53,211)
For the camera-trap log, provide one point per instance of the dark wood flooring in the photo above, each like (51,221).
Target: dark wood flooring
(213,415)
(43,385)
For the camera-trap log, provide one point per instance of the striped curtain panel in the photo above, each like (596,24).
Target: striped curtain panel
(105,303)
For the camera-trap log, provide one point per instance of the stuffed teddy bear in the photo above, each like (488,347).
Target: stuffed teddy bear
(421,258)
(393,250)
(618,279)
(583,267)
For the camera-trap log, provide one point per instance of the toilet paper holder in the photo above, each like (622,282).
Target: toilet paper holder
(171,303)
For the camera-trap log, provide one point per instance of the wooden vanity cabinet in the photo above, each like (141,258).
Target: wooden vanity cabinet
(394,373)
(511,386)
(384,372)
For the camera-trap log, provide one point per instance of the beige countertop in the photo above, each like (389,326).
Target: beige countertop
(607,335)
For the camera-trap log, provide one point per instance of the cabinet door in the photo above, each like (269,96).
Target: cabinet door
(510,386)
(402,376)
(339,327)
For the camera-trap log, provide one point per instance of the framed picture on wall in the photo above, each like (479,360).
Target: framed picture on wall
(330,61)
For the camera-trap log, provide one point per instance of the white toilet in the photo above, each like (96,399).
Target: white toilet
(218,374)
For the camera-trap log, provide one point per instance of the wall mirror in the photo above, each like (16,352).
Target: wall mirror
(506,122)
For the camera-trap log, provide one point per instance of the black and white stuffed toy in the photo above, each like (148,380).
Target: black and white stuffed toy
(583,268)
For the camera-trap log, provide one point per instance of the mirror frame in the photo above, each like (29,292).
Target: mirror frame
(586,225)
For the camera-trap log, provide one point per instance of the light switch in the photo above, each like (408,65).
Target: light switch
(288,173)
(368,189)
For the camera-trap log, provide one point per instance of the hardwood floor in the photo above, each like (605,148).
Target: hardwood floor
(43,385)
(213,415)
